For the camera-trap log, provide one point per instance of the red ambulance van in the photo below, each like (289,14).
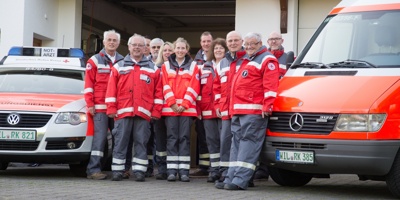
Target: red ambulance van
(338,107)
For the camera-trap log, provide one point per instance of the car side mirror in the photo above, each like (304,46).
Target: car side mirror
(289,59)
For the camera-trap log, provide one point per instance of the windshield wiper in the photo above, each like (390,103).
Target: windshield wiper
(352,64)
(311,65)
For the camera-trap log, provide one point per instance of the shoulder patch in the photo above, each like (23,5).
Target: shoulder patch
(88,66)
(271,66)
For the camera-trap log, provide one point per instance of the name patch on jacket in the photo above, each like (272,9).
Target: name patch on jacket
(146,78)
(103,71)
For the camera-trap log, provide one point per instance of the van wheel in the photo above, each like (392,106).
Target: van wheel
(393,177)
(289,178)
(3,165)
(79,169)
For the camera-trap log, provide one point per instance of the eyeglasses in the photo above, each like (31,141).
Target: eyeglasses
(137,45)
(274,39)
(155,47)
(251,44)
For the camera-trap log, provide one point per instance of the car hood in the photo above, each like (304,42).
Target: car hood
(41,102)
(331,94)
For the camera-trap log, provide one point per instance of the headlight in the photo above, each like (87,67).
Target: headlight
(73,118)
(360,122)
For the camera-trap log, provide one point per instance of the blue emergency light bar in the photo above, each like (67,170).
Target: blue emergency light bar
(46,52)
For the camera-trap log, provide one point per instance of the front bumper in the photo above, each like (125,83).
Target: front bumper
(363,157)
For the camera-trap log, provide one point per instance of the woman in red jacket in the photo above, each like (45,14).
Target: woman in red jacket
(181,85)
(206,101)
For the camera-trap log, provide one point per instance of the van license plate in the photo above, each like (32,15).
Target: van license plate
(304,157)
(18,135)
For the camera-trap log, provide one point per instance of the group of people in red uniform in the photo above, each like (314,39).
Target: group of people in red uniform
(228,89)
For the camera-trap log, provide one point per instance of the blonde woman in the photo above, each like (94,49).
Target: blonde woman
(180,88)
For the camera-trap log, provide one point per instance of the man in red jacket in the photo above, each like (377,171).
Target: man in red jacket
(98,70)
(253,91)
(134,97)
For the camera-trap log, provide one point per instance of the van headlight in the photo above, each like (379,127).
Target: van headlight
(360,122)
(73,118)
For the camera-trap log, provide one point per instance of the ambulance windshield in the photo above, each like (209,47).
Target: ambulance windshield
(372,39)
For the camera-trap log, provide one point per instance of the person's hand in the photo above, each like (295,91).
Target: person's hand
(91,110)
(218,113)
(181,109)
(174,108)
(155,118)
(265,114)
(199,117)
(112,115)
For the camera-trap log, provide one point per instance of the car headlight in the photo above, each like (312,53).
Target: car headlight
(360,122)
(73,118)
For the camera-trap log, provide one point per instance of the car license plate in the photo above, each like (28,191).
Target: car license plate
(304,157)
(17,135)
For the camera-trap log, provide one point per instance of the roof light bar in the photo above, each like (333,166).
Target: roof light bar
(46,52)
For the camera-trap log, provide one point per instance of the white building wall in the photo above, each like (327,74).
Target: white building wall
(12,29)
(311,15)
(55,22)
(69,23)
(263,16)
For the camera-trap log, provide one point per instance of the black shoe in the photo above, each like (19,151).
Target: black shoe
(251,184)
(231,186)
(212,178)
(171,177)
(162,176)
(261,174)
(139,176)
(219,185)
(117,177)
(126,175)
(185,178)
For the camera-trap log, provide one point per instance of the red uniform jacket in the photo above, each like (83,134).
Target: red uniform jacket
(223,81)
(206,98)
(98,70)
(180,86)
(254,84)
(134,89)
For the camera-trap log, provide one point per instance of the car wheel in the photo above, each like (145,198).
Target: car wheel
(393,177)
(3,165)
(289,178)
(79,169)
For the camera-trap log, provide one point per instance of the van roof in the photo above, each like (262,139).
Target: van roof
(347,6)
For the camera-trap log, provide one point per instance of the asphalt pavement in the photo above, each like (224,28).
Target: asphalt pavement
(57,182)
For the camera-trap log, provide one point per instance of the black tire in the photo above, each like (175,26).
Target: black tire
(393,177)
(289,178)
(79,169)
(3,165)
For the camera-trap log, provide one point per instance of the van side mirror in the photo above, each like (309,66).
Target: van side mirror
(289,59)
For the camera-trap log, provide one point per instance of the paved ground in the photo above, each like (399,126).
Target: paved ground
(56,182)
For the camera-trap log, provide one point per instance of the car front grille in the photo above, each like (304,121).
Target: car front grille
(292,145)
(313,123)
(27,120)
(18,146)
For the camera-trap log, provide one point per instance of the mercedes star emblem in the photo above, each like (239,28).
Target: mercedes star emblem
(296,122)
